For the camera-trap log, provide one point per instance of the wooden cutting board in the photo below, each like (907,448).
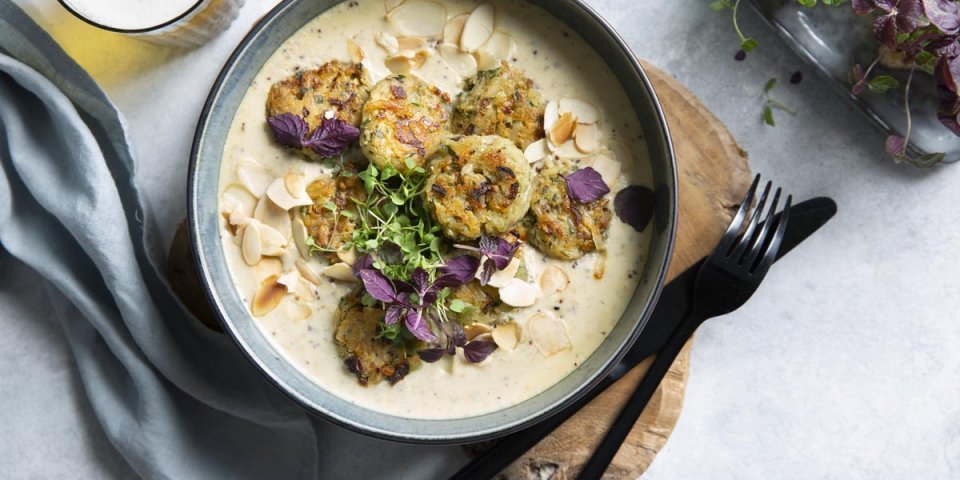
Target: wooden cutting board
(713,178)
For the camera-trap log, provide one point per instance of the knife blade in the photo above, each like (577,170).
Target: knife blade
(805,218)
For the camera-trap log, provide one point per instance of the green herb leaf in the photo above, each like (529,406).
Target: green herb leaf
(748,44)
(457,305)
(770,84)
(882,83)
(768,116)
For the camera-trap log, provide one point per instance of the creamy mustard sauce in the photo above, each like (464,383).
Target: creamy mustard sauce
(562,65)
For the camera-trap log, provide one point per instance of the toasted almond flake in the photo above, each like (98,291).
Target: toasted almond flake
(238,219)
(503,277)
(419,18)
(476,329)
(251,246)
(563,129)
(340,271)
(607,167)
(553,279)
(268,266)
(399,63)
(506,336)
(551,114)
(518,293)
(497,48)
(348,255)
(288,260)
(453,30)
(420,58)
(354,50)
(268,296)
(298,311)
(255,177)
(306,291)
(587,138)
(478,28)
(536,151)
(268,213)
(568,150)
(548,333)
(289,280)
(600,266)
(308,273)
(388,42)
(300,238)
(410,43)
(273,243)
(391,4)
(464,64)
(584,111)
(237,198)
(278,192)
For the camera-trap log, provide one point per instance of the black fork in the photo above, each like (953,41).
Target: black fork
(728,278)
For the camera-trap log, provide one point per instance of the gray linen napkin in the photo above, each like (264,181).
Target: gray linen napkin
(176,400)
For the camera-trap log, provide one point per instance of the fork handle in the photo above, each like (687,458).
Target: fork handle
(630,413)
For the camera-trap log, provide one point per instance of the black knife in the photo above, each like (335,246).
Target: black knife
(675,299)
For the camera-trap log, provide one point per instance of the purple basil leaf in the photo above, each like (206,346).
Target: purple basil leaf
(489,267)
(431,355)
(458,270)
(862,7)
(332,137)
(478,350)
(420,280)
(885,5)
(364,262)
(948,85)
(457,336)
(945,14)
(393,314)
(586,185)
(896,146)
(378,286)
(944,46)
(857,80)
(498,249)
(634,206)
(910,16)
(885,30)
(417,325)
(289,129)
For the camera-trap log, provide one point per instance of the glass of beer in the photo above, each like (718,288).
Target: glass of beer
(183,23)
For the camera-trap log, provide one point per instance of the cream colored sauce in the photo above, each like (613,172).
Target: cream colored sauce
(561,64)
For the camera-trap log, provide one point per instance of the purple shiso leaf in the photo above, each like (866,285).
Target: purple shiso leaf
(431,355)
(857,80)
(586,185)
(393,314)
(945,14)
(289,129)
(885,5)
(885,30)
(944,46)
(497,249)
(862,7)
(378,286)
(910,15)
(478,350)
(332,137)
(895,146)
(489,267)
(458,270)
(364,262)
(634,206)
(418,326)
(948,81)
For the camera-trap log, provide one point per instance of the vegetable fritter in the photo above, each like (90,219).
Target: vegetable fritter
(478,185)
(483,300)
(326,220)
(557,225)
(500,102)
(403,122)
(339,87)
(370,358)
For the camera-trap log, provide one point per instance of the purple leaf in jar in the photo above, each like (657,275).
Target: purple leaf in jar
(457,271)
(863,7)
(586,185)
(945,14)
(431,355)
(364,262)
(289,129)
(393,314)
(634,206)
(885,30)
(948,85)
(332,137)
(910,16)
(378,286)
(896,146)
(857,79)
(478,350)
(417,325)
(498,249)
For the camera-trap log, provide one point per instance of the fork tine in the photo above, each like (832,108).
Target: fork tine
(763,235)
(738,252)
(770,254)
(727,240)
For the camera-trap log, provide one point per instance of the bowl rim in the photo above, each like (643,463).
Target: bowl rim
(670,227)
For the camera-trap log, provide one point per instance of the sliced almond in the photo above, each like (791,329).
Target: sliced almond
(419,18)
(506,336)
(340,271)
(410,43)
(272,242)
(568,150)
(464,64)
(563,129)
(536,151)
(236,198)
(388,42)
(391,4)
(476,329)
(282,197)
(251,247)
(306,292)
(453,30)
(600,265)
(255,177)
(288,259)
(308,273)
(289,280)
(420,58)
(503,277)
(587,137)
(238,219)
(298,311)
(399,64)
(354,50)
(268,267)
(551,114)
(299,231)
(497,48)
(548,333)
(268,213)
(518,293)
(478,28)
(348,256)
(584,111)
(553,279)
(268,296)
(607,167)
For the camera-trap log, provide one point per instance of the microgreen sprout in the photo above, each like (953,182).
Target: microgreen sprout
(769,104)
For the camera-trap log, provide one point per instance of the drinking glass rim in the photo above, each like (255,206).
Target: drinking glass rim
(190,11)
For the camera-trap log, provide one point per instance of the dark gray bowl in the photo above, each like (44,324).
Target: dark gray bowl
(215,120)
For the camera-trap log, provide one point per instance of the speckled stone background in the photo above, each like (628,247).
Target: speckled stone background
(846,364)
